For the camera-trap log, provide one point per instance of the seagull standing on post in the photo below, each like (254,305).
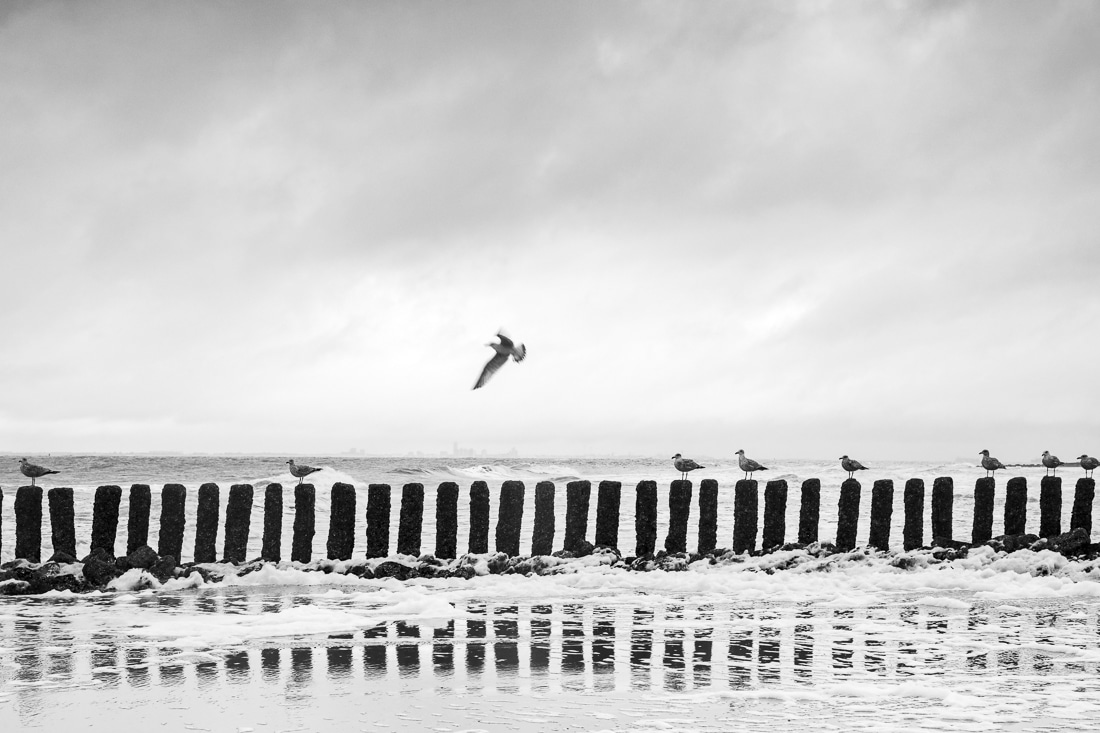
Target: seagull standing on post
(300,472)
(32,471)
(991,465)
(1051,462)
(851,465)
(504,349)
(748,465)
(1088,463)
(684,465)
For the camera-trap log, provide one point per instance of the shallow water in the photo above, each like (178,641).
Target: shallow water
(400,659)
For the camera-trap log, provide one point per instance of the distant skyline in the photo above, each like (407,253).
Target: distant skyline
(801,229)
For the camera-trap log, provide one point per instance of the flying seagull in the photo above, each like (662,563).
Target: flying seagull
(300,472)
(851,465)
(990,464)
(504,349)
(1051,462)
(1088,463)
(684,465)
(748,465)
(32,471)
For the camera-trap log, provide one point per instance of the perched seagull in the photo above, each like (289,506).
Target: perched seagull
(300,472)
(32,471)
(504,349)
(991,464)
(748,465)
(1089,464)
(851,465)
(1051,462)
(684,465)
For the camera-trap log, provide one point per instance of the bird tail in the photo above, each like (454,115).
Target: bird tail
(49,472)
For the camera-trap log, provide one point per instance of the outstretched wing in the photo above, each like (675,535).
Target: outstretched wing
(490,369)
(504,340)
(519,353)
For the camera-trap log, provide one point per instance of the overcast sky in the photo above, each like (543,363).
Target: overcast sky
(800,229)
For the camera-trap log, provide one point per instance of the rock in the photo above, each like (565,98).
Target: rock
(1070,543)
(62,558)
(361,571)
(391,569)
(99,554)
(949,543)
(498,563)
(164,568)
(466,572)
(1012,542)
(428,559)
(98,571)
(564,554)
(14,588)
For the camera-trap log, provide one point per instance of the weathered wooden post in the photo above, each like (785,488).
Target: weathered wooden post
(341,522)
(775,514)
(809,513)
(847,522)
(272,548)
(206,524)
(172,520)
(62,521)
(943,497)
(105,518)
(708,516)
(1083,495)
(446,520)
(577,495)
(305,523)
(745,515)
(882,509)
(238,520)
(1016,506)
(479,518)
(137,520)
(411,520)
(509,517)
(679,510)
(378,520)
(983,511)
(913,533)
(1050,506)
(645,518)
(542,534)
(28,523)
(607,514)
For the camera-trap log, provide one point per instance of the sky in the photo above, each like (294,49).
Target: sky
(799,229)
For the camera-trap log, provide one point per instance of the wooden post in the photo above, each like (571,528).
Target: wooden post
(708,516)
(206,524)
(775,514)
(1082,505)
(446,520)
(479,518)
(1050,506)
(28,523)
(378,520)
(272,549)
(341,522)
(172,521)
(305,523)
(137,521)
(809,513)
(542,534)
(238,520)
(983,511)
(882,509)
(745,515)
(509,517)
(913,533)
(1016,506)
(679,510)
(105,518)
(943,496)
(607,514)
(847,522)
(645,518)
(411,520)
(577,495)
(62,522)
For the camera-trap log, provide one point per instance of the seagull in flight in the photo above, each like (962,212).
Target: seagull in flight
(991,465)
(684,465)
(300,472)
(1088,463)
(748,465)
(504,349)
(851,465)
(1051,462)
(32,471)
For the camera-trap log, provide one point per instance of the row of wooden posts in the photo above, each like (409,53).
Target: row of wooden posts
(341,538)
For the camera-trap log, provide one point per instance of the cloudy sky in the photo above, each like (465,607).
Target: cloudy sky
(800,229)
